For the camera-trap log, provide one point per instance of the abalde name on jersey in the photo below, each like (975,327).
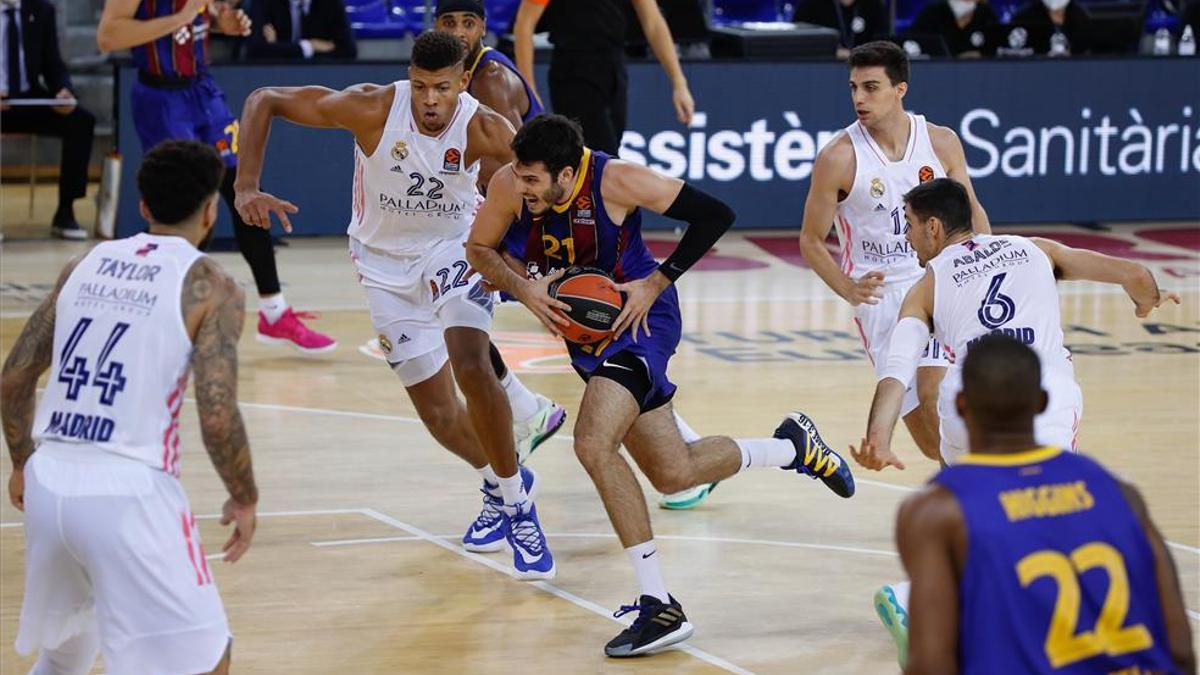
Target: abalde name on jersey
(987,259)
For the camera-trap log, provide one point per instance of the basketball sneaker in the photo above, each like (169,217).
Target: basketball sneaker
(691,498)
(487,533)
(538,429)
(890,605)
(531,556)
(813,458)
(658,624)
(290,330)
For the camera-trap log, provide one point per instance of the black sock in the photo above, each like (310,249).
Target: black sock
(254,243)
(497,362)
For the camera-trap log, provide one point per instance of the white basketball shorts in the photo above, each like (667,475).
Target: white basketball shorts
(414,299)
(875,325)
(112,542)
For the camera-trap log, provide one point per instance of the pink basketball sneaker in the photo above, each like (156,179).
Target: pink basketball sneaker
(290,330)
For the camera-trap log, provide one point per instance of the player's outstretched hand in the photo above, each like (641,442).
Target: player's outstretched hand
(867,290)
(1146,295)
(1143,310)
(872,457)
(255,207)
(16,488)
(244,518)
(640,295)
(535,294)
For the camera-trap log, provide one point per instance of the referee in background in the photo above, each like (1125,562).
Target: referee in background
(587,69)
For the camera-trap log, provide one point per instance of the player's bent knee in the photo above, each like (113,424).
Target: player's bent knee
(416,370)
(472,374)
(591,451)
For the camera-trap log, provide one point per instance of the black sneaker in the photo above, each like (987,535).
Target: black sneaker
(658,625)
(813,458)
(64,226)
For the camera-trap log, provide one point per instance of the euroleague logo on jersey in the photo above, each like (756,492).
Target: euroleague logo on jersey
(583,206)
(452,160)
(925,174)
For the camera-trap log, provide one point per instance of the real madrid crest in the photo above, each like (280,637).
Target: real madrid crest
(876,188)
(384,343)
(399,150)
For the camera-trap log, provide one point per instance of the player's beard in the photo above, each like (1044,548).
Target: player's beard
(554,195)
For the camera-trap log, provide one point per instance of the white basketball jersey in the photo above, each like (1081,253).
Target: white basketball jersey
(870,220)
(415,190)
(999,284)
(121,352)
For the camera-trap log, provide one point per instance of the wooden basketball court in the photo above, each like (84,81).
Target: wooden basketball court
(356,566)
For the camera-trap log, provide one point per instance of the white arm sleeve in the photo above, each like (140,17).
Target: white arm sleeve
(909,340)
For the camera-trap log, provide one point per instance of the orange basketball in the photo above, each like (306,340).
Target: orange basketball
(595,306)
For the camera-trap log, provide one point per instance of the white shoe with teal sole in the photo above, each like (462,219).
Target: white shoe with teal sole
(538,429)
(690,498)
(891,605)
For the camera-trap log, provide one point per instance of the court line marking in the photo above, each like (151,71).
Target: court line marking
(564,437)
(261,514)
(668,537)
(365,540)
(544,586)
(819,296)
(439,540)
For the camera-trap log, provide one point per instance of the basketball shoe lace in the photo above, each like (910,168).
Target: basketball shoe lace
(818,461)
(490,514)
(643,611)
(526,531)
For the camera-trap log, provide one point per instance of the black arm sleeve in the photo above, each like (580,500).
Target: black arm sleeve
(707,217)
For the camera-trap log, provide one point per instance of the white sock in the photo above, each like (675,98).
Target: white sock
(689,434)
(902,589)
(272,307)
(489,476)
(766,452)
(644,557)
(524,402)
(512,489)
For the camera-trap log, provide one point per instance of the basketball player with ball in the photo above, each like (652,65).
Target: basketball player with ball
(580,213)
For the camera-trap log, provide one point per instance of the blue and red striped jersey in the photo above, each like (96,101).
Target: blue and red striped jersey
(183,53)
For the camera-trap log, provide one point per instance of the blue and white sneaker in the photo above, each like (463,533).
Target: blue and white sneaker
(486,534)
(531,556)
(891,604)
(813,458)
(538,429)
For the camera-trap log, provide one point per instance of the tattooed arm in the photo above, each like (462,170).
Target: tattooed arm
(30,357)
(214,310)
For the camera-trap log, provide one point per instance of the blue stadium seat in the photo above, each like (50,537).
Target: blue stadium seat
(414,14)
(727,12)
(373,19)
(500,14)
